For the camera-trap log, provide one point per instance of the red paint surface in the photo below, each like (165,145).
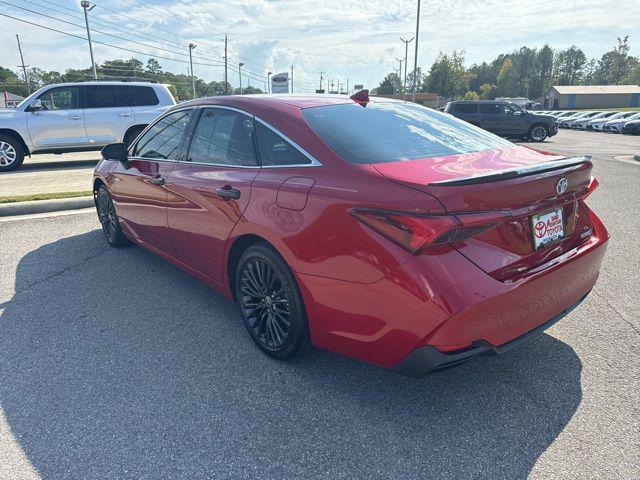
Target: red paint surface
(366,296)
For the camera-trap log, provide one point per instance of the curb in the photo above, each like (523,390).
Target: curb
(44,206)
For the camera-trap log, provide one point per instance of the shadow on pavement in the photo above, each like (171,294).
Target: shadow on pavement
(54,165)
(115,364)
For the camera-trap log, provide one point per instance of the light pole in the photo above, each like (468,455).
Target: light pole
(85,5)
(406,51)
(193,78)
(415,61)
(268,82)
(399,68)
(240,75)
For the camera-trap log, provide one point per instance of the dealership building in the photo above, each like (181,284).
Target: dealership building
(564,97)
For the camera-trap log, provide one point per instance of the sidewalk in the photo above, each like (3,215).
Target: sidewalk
(50,174)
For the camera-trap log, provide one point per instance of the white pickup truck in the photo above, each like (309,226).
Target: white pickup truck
(81,116)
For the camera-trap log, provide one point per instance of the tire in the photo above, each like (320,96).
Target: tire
(538,133)
(269,297)
(108,219)
(131,135)
(11,153)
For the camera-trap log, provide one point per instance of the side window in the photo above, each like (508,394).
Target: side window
(223,137)
(466,108)
(163,139)
(135,96)
(100,96)
(490,108)
(275,150)
(60,99)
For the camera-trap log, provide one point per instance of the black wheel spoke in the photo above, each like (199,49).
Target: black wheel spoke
(264,303)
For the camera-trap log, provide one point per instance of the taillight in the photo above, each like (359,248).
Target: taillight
(416,232)
(593,184)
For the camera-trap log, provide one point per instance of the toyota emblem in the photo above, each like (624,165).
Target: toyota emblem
(562,185)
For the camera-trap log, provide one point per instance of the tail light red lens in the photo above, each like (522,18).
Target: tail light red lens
(593,184)
(415,232)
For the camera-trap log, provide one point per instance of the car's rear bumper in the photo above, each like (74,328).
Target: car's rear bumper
(445,302)
(428,359)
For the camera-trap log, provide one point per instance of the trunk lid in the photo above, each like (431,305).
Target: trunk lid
(513,185)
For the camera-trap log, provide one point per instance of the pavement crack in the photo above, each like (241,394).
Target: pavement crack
(65,270)
(620,314)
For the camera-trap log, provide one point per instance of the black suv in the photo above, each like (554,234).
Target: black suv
(504,118)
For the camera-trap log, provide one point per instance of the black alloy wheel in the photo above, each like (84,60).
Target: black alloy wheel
(109,219)
(271,303)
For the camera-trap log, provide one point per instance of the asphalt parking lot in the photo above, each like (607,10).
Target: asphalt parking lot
(114,364)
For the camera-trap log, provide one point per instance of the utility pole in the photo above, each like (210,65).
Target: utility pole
(415,61)
(193,78)
(226,82)
(268,82)
(320,87)
(400,68)
(292,78)
(406,51)
(85,5)
(240,75)
(347,86)
(24,67)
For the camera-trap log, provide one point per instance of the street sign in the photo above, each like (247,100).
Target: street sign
(280,83)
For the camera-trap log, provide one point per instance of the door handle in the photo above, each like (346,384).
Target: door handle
(157,180)
(228,192)
(124,114)
(75,117)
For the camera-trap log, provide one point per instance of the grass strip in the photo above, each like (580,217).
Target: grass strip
(43,196)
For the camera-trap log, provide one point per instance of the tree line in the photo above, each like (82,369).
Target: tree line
(526,72)
(132,69)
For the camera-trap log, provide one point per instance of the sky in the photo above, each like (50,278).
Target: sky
(358,41)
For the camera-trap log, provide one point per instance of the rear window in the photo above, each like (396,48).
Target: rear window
(396,131)
(109,96)
(466,107)
(135,96)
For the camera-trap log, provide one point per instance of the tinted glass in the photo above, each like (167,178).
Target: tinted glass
(275,150)
(490,108)
(466,107)
(135,96)
(60,99)
(223,137)
(163,139)
(396,131)
(100,96)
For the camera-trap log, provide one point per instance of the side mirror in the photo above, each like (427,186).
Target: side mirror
(36,106)
(116,152)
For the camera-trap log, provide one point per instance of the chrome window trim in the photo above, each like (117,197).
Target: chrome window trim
(223,107)
(314,161)
(157,120)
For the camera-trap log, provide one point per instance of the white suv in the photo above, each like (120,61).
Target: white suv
(72,117)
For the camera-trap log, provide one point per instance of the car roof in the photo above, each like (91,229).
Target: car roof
(101,83)
(481,101)
(298,101)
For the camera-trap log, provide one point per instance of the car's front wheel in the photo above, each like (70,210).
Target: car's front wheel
(11,153)
(271,303)
(108,218)
(538,133)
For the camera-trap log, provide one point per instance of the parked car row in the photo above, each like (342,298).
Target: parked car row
(610,121)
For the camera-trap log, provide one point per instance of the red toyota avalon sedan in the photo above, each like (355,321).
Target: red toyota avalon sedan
(375,228)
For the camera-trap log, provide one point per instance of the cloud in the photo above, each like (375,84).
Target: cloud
(350,39)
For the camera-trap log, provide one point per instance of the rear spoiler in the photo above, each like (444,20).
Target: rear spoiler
(515,172)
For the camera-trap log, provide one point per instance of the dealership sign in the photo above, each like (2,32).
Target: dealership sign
(280,83)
